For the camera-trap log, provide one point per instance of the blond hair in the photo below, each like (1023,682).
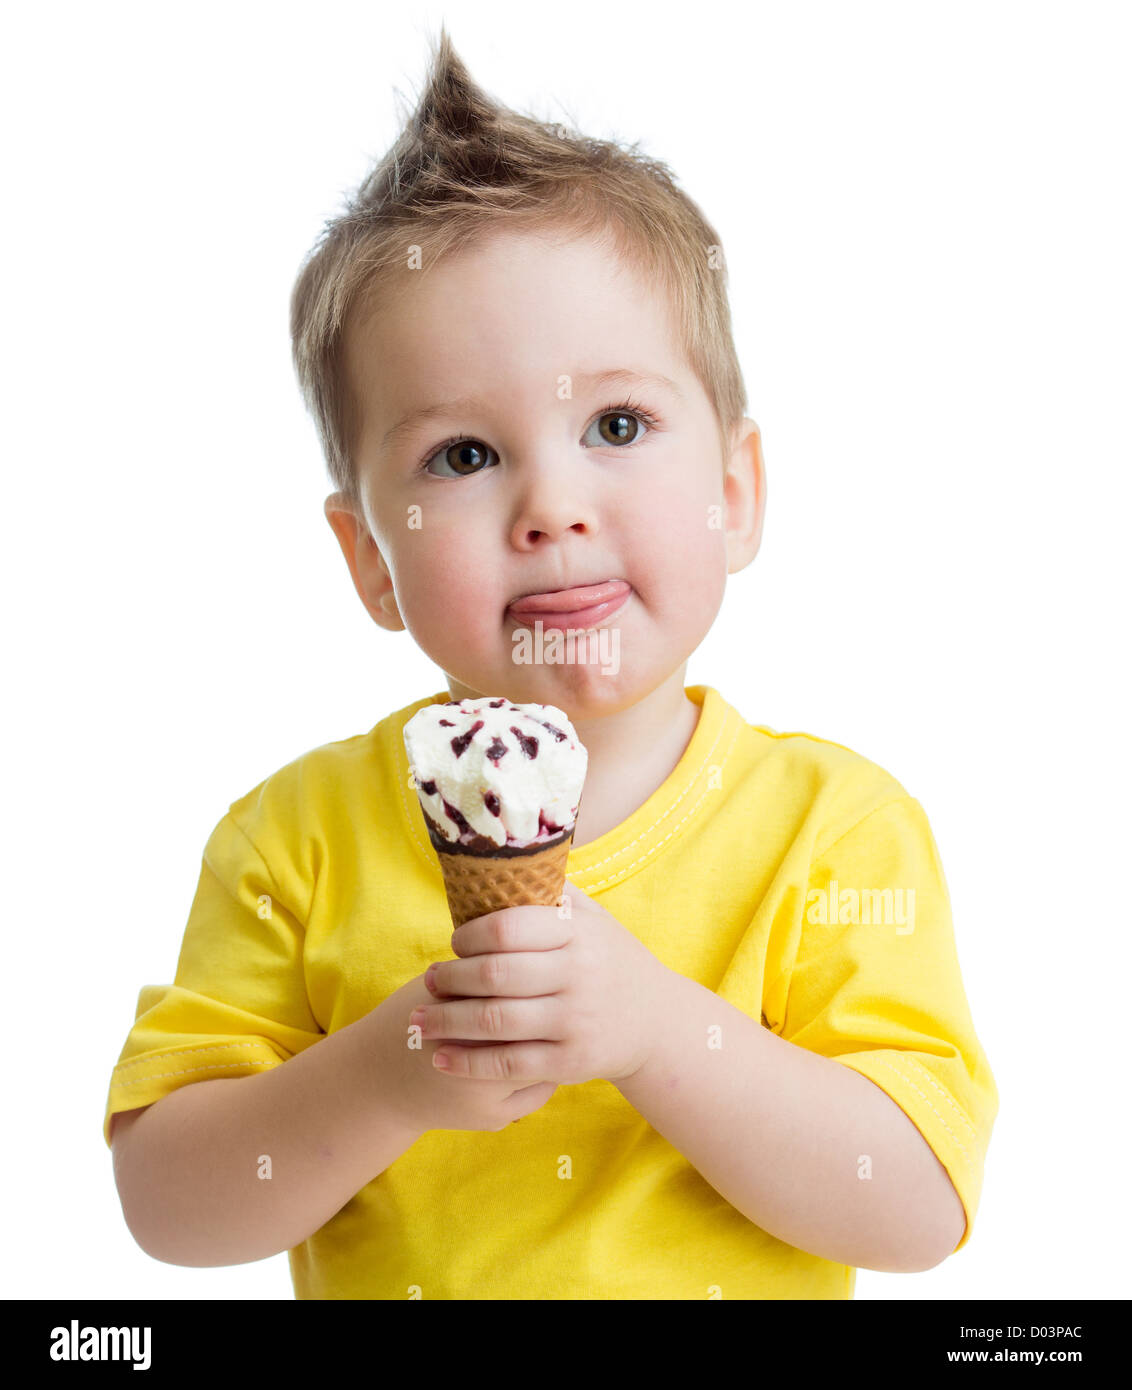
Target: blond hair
(464,165)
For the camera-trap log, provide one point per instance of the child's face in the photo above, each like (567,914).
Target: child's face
(537,493)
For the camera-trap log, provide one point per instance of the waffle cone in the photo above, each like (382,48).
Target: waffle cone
(480,883)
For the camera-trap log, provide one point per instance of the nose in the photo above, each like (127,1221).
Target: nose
(548,506)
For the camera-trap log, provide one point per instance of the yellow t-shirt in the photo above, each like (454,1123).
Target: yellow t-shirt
(759,868)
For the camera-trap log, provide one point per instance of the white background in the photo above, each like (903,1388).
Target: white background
(926,219)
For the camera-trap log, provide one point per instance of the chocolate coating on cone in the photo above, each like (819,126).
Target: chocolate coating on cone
(480,847)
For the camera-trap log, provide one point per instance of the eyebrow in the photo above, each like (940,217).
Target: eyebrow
(615,376)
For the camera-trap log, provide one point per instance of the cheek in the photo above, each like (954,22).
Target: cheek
(444,597)
(679,552)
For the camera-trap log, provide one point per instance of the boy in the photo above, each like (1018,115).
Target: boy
(740,1048)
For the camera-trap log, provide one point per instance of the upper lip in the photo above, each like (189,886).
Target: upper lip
(582,595)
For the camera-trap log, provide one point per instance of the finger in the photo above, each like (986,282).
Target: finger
(490,1020)
(527,1099)
(524,1062)
(507,974)
(513,929)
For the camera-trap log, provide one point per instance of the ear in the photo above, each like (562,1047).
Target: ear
(367,566)
(744,496)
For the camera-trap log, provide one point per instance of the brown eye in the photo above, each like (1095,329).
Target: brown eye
(465,457)
(462,457)
(619,427)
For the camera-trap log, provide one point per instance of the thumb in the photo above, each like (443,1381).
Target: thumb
(573,894)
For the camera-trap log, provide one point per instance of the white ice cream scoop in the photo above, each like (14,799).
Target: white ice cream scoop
(491,774)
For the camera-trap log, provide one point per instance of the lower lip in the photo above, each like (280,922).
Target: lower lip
(578,617)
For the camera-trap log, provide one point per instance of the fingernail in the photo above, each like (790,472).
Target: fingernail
(441,1060)
(417,1018)
(430,975)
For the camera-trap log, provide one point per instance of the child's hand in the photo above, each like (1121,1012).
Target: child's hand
(547,998)
(420,1096)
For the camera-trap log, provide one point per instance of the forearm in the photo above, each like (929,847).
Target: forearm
(781,1132)
(192,1174)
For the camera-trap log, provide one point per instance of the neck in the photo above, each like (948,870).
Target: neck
(631,754)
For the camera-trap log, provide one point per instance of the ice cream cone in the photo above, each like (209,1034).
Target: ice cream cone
(505,780)
(480,883)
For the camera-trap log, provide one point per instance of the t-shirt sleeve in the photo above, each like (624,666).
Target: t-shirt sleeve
(875,985)
(238,1002)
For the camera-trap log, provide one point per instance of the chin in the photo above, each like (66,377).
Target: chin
(586,693)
